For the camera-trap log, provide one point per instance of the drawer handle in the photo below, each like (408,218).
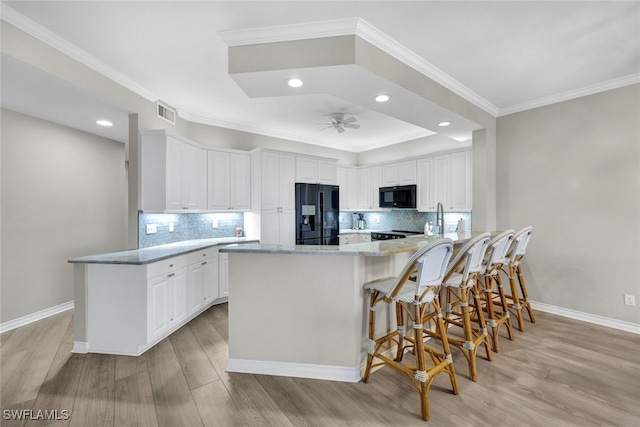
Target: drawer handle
(171,274)
(204,263)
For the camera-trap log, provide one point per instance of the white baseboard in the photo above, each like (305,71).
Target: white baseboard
(34,317)
(297,370)
(587,317)
(80,347)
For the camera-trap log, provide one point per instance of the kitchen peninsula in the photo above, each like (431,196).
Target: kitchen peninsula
(299,311)
(128,301)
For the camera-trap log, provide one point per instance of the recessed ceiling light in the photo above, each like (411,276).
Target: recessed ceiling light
(442,124)
(295,82)
(104,123)
(383,98)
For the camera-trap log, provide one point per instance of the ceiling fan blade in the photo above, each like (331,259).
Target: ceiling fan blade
(349,120)
(325,128)
(351,126)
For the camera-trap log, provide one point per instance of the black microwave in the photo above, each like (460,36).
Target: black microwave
(401,196)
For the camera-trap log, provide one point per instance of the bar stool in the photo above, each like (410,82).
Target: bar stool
(519,299)
(416,300)
(495,302)
(461,291)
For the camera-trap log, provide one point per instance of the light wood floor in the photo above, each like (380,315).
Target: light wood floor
(559,372)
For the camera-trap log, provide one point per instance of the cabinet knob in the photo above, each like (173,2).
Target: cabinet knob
(170,265)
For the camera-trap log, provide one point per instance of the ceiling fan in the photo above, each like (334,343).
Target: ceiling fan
(340,123)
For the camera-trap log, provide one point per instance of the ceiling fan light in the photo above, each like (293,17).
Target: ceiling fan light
(444,123)
(295,82)
(382,97)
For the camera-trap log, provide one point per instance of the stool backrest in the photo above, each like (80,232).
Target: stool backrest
(430,262)
(519,245)
(469,259)
(497,250)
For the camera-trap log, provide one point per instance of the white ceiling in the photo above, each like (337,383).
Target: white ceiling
(502,56)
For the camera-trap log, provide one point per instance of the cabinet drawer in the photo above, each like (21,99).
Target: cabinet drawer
(201,255)
(166,266)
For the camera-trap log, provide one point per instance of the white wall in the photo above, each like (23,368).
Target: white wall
(572,170)
(63,196)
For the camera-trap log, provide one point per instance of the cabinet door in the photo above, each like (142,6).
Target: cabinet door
(306,170)
(341,174)
(443,178)
(158,317)
(240,182)
(327,173)
(376,179)
(353,186)
(365,191)
(218,180)
(270,227)
(195,283)
(178,295)
(270,182)
(460,199)
(407,172)
(223,277)
(210,280)
(194,181)
(286,185)
(287,227)
(390,174)
(174,174)
(426,184)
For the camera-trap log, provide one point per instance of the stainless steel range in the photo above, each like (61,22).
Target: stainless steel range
(393,234)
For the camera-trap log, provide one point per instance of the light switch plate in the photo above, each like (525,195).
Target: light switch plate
(214,223)
(152,228)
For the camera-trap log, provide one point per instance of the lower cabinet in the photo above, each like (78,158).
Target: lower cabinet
(224,275)
(353,238)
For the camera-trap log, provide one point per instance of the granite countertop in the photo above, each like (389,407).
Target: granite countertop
(157,253)
(375,248)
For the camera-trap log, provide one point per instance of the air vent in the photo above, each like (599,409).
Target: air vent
(167,113)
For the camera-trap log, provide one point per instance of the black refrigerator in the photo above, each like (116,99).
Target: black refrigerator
(317,214)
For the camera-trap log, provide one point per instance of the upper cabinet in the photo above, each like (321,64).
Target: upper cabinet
(229,184)
(399,173)
(445,179)
(349,183)
(370,179)
(278,179)
(174,174)
(315,170)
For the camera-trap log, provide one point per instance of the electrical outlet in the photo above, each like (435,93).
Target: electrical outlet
(214,223)
(152,228)
(629,300)
(171,227)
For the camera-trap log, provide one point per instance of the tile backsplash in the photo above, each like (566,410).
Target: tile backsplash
(186,226)
(405,219)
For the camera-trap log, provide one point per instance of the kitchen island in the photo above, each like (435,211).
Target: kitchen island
(125,302)
(299,311)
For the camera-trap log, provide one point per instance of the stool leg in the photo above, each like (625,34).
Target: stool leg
(421,363)
(442,330)
(481,320)
(515,297)
(372,332)
(492,323)
(505,306)
(525,296)
(401,331)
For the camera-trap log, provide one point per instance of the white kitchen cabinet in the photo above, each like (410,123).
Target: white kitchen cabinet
(223,279)
(353,238)
(370,179)
(229,181)
(278,181)
(202,279)
(315,170)
(349,183)
(399,173)
(167,301)
(173,174)
(460,198)
(341,175)
(445,179)
(278,227)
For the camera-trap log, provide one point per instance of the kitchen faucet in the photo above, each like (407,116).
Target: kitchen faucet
(440,219)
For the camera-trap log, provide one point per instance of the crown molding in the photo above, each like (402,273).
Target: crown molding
(572,94)
(36,30)
(291,137)
(364,30)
